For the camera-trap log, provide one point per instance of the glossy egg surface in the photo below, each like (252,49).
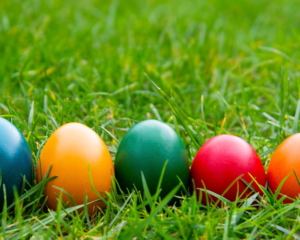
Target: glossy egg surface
(285,158)
(70,150)
(15,160)
(220,161)
(145,148)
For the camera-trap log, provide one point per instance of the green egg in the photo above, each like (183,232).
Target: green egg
(145,148)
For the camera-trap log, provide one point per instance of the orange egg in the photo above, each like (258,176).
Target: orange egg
(286,158)
(70,150)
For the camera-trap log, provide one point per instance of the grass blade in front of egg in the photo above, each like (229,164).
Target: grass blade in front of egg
(146,191)
(70,197)
(92,185)
(296,176)
(23,185)
(221,197)
(249,185)
(34,190)
(268,194)
(183,187)
(3,215)
(276,194)
(158,190)
(86,213)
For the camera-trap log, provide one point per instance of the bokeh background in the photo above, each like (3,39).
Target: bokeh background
(233,59)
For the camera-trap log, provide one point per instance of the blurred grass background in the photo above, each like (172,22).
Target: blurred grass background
(232,65)
(196,49)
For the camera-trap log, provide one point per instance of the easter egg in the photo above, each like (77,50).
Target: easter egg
(71,150)
(220,161)
(15,160)
(285,158)
(145,149)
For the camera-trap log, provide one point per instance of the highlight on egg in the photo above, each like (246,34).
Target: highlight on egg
(220,162)
(71,150)
(16,161)
(285,160)
(145,149)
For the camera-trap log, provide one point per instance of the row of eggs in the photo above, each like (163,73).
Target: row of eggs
(79,157)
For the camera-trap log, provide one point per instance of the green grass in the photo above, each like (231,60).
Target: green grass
(230,66)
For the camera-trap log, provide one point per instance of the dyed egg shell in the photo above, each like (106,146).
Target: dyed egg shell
(15,160)
(220,161)
(145,148)
(70,149)
(285,158)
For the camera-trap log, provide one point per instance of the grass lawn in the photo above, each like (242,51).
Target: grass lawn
(222,66)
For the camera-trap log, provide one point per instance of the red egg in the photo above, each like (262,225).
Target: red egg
(220,161)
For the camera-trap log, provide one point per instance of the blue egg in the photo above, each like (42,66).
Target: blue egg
(15,160)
